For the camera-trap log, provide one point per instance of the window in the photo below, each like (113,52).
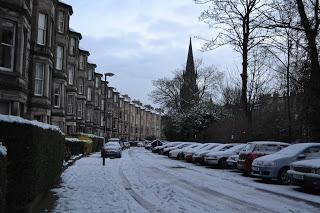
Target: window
(59,58)
(82,62)
(81,86)
(89,95)
(7,38)
(72,48)
(61,19)
(57,95)
(102,104)
(42,29)
(101,119)
(96,100)
(97,82)
(80,110)
(89,74)
(71,75)
(71,102)
(39,77)
(115,99)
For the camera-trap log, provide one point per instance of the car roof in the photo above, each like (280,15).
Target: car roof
(268,142)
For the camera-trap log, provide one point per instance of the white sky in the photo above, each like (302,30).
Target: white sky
(143,40)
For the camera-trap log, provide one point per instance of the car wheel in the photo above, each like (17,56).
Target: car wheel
(283,176)
(223,164)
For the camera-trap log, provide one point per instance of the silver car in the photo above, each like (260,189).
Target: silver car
(275,166)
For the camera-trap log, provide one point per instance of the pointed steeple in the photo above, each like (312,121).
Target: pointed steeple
(189,93)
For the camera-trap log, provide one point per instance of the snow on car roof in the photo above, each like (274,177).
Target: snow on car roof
(296,148)
(19,120)
(268,142)
(3,150)
(313,163)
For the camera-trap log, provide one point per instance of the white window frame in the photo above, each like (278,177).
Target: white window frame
(81,62)
(12,46)
(61,22)
(80,110)
(57,96)
(59,57)
(81,86)
(42,30)
(89,94)
(71,72)
(38,79)
(72,47)
(70,104)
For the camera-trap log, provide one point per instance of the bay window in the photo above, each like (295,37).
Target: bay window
(61,22)
(39,79)
(72,47)
(71,75)
(81,62)
(42,29)
(71,103)
(7,38)
(57,95)
(59,58)
(89,95)
(81,86)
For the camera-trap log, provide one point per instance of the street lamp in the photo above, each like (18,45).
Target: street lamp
(109,74)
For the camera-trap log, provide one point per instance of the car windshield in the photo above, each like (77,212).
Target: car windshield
(248,148)
(270,148)
(112,144)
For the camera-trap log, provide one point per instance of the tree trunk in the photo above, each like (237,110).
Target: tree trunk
(288,90)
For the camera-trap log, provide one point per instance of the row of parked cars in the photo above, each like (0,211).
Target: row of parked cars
(289,164)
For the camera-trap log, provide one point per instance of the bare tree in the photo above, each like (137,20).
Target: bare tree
(238,23)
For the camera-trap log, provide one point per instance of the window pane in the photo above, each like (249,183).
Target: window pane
(42,26)
(59,57)
(6,32)
(5,56)
(39,76)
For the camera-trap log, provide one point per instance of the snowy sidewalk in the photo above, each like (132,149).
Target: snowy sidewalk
(144,182)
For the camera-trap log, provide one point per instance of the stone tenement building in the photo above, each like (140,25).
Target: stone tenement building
(45,76)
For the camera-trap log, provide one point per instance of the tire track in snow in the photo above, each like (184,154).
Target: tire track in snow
(140,200)
(206,195)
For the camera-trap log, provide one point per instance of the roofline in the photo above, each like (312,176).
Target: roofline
(67,6)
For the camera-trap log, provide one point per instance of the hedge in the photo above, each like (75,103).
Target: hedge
(3,181)
(35,159)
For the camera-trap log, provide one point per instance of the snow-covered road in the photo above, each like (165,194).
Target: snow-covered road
(145,182)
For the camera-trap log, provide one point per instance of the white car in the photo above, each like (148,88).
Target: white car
(179,146)
(187,154)
(198,157)
(232,161)
(178,153)
(219,158)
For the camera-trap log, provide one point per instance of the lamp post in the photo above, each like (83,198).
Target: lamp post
(109,74)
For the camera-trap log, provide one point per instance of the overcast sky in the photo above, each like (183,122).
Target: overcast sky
(143,40)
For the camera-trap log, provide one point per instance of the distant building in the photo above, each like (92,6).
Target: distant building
(46,76)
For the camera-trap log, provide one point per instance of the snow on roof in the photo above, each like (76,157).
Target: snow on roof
(296,148)
(19,120)
(269,142)
(3,150)
(314,163)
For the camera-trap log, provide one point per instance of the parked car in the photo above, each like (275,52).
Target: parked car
(189,153)
(257,149)
(179,153)
(117,140)
(198,157)
(111,149)
(179,146)
(306,173)
(275,166)
(126,145)
(167,145)
(156,143)
(140,144)
(219,158)
(232,161)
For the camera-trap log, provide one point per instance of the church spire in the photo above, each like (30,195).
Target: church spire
(189,93)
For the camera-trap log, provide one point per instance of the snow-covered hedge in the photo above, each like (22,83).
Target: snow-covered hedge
(35,154)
